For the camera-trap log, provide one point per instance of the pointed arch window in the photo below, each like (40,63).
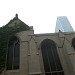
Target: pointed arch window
(13,56)
(52,64)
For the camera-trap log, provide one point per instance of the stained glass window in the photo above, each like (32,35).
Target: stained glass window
(52,64)
(13,55)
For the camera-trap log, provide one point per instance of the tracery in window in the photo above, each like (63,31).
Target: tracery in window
(52,64)
(13,55)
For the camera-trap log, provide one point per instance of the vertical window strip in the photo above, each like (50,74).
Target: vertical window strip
(45,59)
(53,58)
(48,59)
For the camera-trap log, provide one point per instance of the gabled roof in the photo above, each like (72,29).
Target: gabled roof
(15,18)
(15,21)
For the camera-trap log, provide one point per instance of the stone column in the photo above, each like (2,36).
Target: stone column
(34,63)
(24,58)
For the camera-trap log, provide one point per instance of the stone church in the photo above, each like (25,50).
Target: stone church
(40,54)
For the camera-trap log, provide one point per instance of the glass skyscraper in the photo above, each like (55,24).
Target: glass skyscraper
(63,25)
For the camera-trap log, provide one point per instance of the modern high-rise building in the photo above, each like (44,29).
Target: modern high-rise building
(63,25)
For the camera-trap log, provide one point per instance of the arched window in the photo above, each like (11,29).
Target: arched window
(52,64)
(13,55)
(73,43)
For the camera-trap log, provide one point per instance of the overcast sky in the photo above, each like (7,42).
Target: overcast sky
(41,14)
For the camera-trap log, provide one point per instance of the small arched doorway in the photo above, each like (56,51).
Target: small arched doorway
(52,64)
(13,55)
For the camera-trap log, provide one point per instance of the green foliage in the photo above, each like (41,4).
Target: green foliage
(5,33)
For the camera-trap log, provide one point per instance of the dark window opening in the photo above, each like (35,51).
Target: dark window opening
(13,55)
(73,43)
(52,64)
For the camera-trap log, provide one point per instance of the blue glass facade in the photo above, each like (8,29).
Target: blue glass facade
(63,25)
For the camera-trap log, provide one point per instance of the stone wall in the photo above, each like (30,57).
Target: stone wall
(31,62)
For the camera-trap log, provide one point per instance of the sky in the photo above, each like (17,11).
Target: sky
(41,14)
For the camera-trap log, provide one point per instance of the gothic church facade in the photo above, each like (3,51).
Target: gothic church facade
(40,54)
